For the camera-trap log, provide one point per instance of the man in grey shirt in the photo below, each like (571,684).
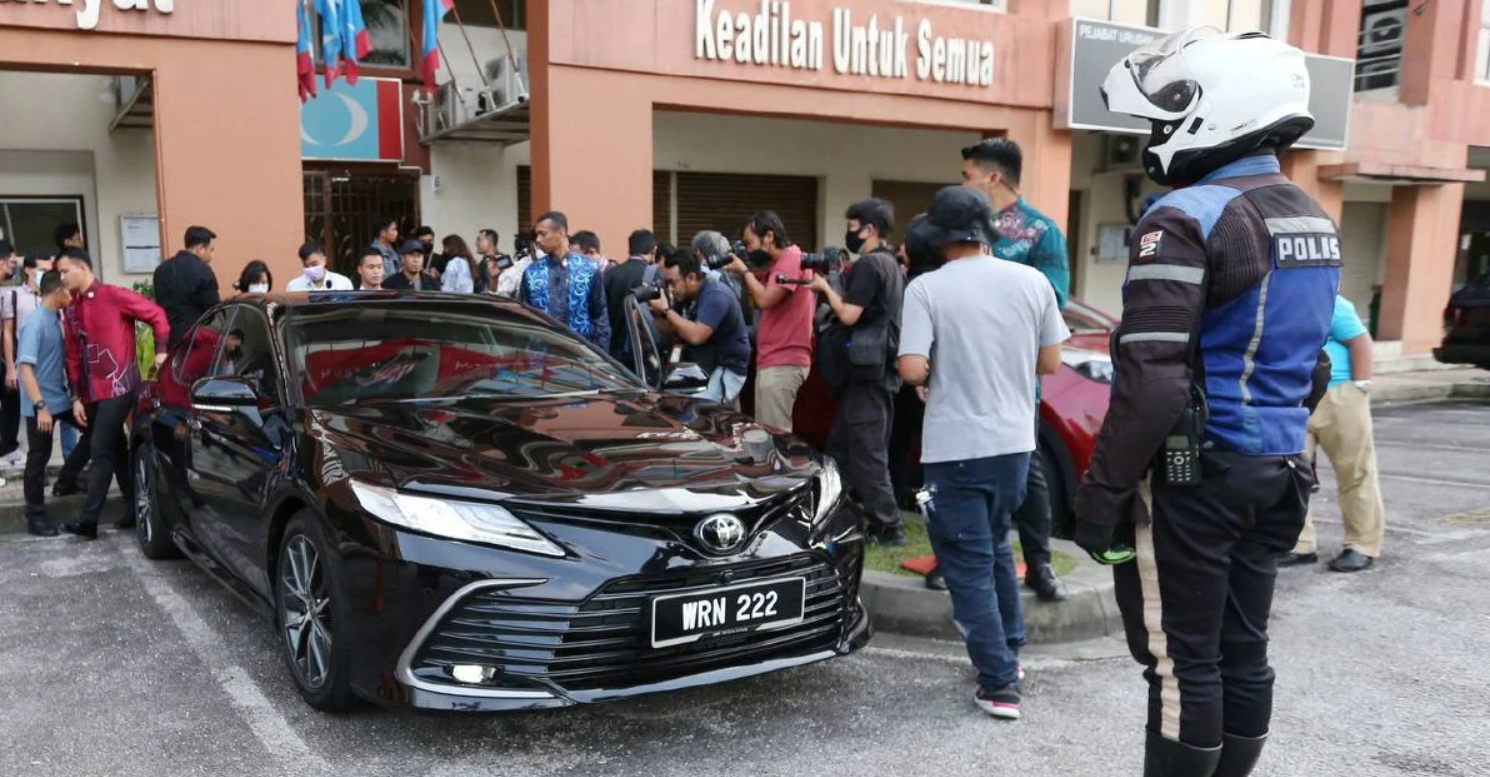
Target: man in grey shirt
(975,333)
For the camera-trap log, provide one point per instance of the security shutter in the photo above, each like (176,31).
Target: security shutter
(722,202)
(524,198)
(909,199)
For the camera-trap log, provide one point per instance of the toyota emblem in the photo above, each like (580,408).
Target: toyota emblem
(720,533)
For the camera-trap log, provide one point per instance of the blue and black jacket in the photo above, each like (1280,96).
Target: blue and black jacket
(1231,285)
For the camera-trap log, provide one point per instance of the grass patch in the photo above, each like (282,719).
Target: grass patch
(882,558)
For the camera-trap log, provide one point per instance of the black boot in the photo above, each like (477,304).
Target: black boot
(1168,758)
(1239,755)
(40,527)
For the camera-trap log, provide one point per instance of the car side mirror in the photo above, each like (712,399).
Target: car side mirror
(223,395)
(685,378)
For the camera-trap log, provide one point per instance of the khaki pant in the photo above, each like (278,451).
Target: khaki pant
(1341,425)
(776,394)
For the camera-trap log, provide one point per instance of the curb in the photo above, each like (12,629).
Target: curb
(1430,392)
(901,604)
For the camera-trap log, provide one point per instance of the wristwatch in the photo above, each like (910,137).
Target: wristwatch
(1364,386)
(39,406)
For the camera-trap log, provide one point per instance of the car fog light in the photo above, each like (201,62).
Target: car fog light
(473,674)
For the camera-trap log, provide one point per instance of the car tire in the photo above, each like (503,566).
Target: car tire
(150,526)
(1062,517)
(310,610)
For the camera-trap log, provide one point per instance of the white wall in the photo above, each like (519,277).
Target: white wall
(56,141)
(846,158)
(1363,243)
(1100,284)
(478,189)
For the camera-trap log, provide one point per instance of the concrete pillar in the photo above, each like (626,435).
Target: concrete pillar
(1046,182)
(1431,51)
(600,179)
(1422,245)
(1302,166)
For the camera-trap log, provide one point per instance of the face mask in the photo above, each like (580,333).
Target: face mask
(315,273)
(258,288)
(853,242)
(35,273)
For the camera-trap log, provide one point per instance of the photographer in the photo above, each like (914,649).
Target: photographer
(857,356)
(714,327)
(784,333)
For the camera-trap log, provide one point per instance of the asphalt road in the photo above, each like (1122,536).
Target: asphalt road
(112,665)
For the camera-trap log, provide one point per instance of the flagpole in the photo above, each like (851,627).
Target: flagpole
(511,58)
(455,9)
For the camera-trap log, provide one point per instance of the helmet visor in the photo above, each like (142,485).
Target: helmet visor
(1162,75)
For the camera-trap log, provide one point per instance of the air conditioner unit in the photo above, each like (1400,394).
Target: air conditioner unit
(511,87)
(1383,28)
(1122,152)
(454,105)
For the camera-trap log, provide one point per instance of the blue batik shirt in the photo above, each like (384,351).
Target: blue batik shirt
(570,291)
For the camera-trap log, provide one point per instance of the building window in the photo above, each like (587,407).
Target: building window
(30,223)
(1379,50)
(388,27)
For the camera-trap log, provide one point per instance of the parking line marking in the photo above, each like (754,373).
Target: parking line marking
(267,723)
(1435,481)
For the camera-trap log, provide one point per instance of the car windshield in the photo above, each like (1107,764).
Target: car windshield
(400,351)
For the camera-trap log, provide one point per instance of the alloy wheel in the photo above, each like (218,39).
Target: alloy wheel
(305,611)
(144,500)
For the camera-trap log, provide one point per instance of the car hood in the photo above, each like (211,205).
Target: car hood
(606,451)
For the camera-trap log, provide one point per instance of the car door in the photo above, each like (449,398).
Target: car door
(237,450)
(190,361)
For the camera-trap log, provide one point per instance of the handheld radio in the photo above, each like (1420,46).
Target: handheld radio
(1180,456)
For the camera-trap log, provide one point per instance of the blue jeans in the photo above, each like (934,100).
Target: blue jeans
(968,520)
(69,439)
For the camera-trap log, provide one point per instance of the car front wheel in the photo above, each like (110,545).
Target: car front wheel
(311,612)
(150,528)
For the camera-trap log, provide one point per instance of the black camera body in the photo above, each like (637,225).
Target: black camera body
(523,245)
(504,262)
(647,292)
(830,260)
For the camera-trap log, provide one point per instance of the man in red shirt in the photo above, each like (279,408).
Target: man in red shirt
(784,334)
(105,376)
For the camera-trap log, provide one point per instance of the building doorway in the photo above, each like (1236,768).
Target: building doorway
(342,208)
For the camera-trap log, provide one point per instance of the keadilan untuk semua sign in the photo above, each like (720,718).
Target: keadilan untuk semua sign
(876,46)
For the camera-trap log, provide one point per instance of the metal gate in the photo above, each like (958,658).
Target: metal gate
(342,209)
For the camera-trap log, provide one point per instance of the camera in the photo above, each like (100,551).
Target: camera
(504,262)
(830,260)
(647,292)
(523,245)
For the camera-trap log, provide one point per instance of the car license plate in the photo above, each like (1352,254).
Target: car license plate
(682,618)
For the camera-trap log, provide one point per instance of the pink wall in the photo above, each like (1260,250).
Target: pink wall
(226,123)
(575,74)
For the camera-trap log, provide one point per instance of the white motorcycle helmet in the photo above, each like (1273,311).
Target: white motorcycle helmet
(1211,98)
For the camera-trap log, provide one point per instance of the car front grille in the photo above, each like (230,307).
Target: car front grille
(604,642)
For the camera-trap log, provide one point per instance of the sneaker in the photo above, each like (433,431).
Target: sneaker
(1002,703)
(16,460)
(1021,672)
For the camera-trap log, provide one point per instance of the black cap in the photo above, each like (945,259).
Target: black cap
(411,247)
(958,214)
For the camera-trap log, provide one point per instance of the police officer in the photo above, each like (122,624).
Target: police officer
(1227,303)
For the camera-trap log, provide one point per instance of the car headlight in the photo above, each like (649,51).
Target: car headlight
(487,524)
(829,487)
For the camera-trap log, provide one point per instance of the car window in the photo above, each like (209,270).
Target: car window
(196,358)
(248,353)
(402,350)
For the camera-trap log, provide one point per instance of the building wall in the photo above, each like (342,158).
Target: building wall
(61,145)
(478,189)
(1363,239)
(846,158)
(1099,283)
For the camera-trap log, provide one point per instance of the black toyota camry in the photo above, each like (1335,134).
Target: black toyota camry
(453,503)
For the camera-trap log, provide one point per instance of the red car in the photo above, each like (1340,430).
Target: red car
(1072,406)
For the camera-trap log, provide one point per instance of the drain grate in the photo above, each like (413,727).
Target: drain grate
(1479,517)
